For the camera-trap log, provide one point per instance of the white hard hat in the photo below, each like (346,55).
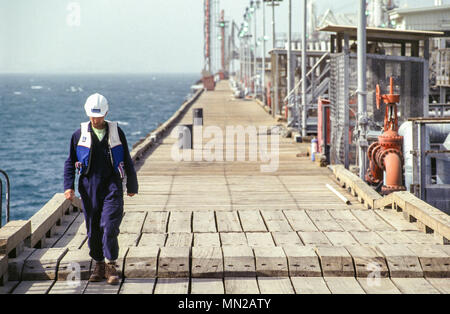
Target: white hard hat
(96,106)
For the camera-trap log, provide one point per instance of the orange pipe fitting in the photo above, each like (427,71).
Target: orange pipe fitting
(386,154)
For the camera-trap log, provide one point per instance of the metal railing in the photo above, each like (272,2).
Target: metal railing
(7,197)
(307,74)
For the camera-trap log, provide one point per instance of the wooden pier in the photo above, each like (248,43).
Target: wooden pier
(227,227)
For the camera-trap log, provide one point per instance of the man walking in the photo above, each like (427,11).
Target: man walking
(99,151)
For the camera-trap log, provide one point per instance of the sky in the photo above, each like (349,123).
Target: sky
(122,36)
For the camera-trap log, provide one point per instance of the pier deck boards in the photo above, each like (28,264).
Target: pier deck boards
(228,227)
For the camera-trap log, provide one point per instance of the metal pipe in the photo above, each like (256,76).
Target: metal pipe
(254,53)
(289,60)
(393,166)
(342,197)
(362,91)
(273,25)
(304,52)
(263,72)
(307,74)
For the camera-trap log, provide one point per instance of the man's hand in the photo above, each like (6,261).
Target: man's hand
(69,194)
(131,194)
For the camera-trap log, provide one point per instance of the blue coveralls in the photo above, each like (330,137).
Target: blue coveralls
(100,188)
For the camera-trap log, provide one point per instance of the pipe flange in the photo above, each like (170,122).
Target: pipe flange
(390,141)
(388,189)
(371,149)
(384,153)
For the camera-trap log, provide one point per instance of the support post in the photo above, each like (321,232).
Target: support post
(263,71)
(289,62)
(304,56)
(362,89)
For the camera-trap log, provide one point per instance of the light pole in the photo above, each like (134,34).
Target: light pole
(289,64)
(263,71)
(304,52)
(362,91)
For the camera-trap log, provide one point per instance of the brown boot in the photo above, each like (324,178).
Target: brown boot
(112,276)
(99,272)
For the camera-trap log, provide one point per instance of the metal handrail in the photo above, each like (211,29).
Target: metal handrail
(7,196)
(307,74)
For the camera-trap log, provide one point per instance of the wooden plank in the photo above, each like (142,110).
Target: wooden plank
(314,238)
(172,286)
(173,262)
(43,264)
(241,285)
(275,221)
(74,261)
(414,286)
(368,263)
(179,222)
(207,286)
(395,237)
(46,218)
(73,242)
(128,239)
(299,220)
(286,238)
(259,239)
(323,221)
(228,221)
(310,285)
(233,239)
(156,222)
(378,286)
(204,222)
(101,288)
(371,220)
(63,287)
(252,221)
(137,286)
(434,261)
(335,261)
(343,285)
(422,238)
(141,262)
(15,265)
(368,238)
(132,222)
(270,261)
(238,261)
(340,238)
(441,284)
(303,261)
(179,239)
(152,239)
(13,234)
(275,285)
(207,262)
(8,287)
(401,261)
(33,287)
(396,220)
(347,221)
(206,239)
(78,226)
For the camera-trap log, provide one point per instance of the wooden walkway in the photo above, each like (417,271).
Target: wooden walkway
(227,227)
